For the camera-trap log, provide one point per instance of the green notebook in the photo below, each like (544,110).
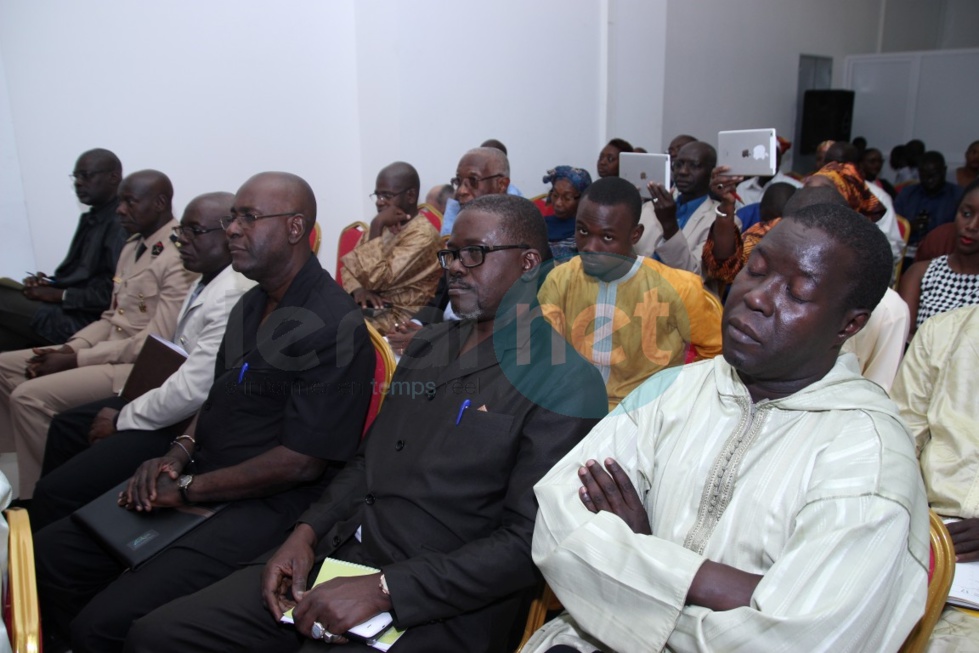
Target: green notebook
(377,631)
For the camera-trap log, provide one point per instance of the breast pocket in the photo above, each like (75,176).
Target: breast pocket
(481,441)
(139,297)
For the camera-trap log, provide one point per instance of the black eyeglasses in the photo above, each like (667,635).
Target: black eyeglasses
(386,196)
(85,175)
(248,219)
(472,181)
(473,255)
(192,231)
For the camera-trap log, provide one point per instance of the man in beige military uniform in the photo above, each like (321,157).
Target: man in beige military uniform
(150,286)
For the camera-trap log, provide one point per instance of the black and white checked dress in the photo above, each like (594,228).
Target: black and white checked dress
(942,290)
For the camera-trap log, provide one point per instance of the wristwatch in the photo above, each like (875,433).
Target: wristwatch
(182,484)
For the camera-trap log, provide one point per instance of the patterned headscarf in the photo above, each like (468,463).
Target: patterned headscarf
(578,177)
(849,182)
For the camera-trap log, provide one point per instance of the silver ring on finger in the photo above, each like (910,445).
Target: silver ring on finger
(318,631)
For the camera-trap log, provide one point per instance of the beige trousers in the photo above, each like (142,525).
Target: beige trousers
(28,406)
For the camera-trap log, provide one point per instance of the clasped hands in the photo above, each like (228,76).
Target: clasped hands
(50,360)
(338,605)
(612,491)
(154,485)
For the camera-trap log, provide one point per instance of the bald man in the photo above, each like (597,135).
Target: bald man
(150,286)
(285,412)
(394,269)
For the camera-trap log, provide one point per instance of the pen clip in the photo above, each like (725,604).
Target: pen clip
(462,409)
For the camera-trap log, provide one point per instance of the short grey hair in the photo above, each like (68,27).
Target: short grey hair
(499,159)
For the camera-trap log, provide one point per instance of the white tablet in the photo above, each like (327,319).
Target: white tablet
(748,152)
(640,169)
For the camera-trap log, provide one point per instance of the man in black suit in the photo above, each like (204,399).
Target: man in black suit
(439,498)
(50,310)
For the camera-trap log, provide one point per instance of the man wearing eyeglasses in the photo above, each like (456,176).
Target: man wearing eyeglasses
(439,496)
(47,310)
(142,424)
(392,272)
(149,287)
(481,171)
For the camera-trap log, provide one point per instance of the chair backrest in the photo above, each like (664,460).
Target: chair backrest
(905,228)
(24,616)
(431,214)
(315,236)
(384,365)
(349,238)
(545,207)
(939,581)
(544,603)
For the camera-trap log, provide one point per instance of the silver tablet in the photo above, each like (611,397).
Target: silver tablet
(640,169)
(748,152)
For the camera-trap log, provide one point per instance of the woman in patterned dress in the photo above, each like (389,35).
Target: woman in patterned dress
(947,282)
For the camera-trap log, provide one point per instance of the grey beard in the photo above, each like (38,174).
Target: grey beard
(474,314)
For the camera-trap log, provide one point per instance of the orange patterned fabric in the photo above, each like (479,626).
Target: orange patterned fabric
(727,269)
(852,187)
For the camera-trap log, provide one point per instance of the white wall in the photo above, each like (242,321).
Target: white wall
(15,234)
(209,93)
(636,73)
(907,95)
(734,65)
(437,80)
(212,92)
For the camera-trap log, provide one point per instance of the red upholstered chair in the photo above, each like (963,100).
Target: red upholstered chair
(383,371)
(20,609)
(432,214)
(940,573)
(349,238)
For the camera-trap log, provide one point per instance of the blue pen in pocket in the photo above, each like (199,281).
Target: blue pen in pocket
(241,374)
(462,409)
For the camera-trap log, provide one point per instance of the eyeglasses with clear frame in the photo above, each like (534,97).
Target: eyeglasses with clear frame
(386,196)
(472,256)
(192,231)
(248,219)
(472,181)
